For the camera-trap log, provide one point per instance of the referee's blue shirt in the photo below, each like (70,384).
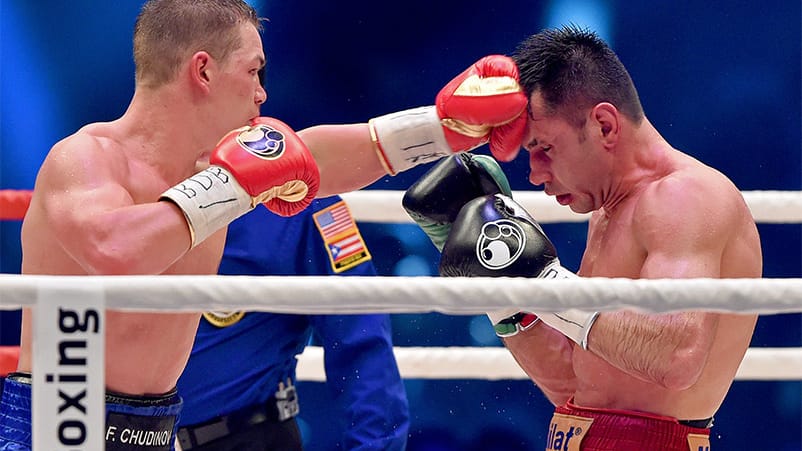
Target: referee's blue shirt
(241,361)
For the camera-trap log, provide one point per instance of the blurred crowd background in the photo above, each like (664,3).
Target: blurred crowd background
(719,79)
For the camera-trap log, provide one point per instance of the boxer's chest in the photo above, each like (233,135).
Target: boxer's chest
(612,250)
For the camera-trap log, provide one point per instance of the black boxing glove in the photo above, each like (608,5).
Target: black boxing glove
(436,198)
(493,236)
(434,201)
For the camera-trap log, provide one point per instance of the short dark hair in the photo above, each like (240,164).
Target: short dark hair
(168,31)
(573,70)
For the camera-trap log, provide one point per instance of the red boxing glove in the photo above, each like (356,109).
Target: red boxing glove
(271,163)
(484,103)
(265,162)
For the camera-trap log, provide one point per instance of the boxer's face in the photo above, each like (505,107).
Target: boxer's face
(560,158)
(240,91)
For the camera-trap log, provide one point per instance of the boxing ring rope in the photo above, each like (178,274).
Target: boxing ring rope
(384,206)
(392,294)
(52,296)
(768,207)
(496,363)
(325,295)
(14,203)
(433,294)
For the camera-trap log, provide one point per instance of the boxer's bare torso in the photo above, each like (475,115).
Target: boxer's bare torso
(615,249)
(676,218)
(109,176)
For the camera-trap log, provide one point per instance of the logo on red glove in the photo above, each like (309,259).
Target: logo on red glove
(263,141)
(500,244)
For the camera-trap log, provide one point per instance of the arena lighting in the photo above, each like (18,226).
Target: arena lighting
(591,14)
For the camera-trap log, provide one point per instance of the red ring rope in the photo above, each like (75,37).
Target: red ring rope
(14,203)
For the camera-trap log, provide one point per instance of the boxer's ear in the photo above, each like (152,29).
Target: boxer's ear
(201,70)
(605,123)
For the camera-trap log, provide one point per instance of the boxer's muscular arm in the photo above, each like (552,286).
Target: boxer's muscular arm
(94,217)
(483,104)
(345,155)
(546,355)
(669,349)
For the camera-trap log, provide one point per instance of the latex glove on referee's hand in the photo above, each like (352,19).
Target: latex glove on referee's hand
(483,104)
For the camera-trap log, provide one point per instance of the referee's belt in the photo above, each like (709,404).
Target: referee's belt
(203,433)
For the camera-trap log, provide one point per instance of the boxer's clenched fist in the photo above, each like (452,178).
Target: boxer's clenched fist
(265,162)
(435,199)
(494,236)
(482,104)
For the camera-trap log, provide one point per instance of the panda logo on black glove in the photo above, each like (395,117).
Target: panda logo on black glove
(500,243)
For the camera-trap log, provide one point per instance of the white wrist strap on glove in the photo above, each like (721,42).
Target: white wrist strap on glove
(408,138)
(210,200)
(574,324)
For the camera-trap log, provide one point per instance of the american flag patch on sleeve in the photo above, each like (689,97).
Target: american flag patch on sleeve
(341,237)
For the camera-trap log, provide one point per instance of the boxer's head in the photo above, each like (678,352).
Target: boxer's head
(572,70)
(580,95)
(168,32)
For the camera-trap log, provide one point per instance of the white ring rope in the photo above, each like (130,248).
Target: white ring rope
(384,206)
(775,207)
(381,294)
(342,295)
(496,363)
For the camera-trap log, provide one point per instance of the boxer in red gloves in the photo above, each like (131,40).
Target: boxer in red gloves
(153,191)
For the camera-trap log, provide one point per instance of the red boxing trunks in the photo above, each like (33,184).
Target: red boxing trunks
(575,428)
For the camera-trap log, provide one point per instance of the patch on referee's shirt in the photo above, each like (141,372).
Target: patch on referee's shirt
(341,237)
(220,318)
